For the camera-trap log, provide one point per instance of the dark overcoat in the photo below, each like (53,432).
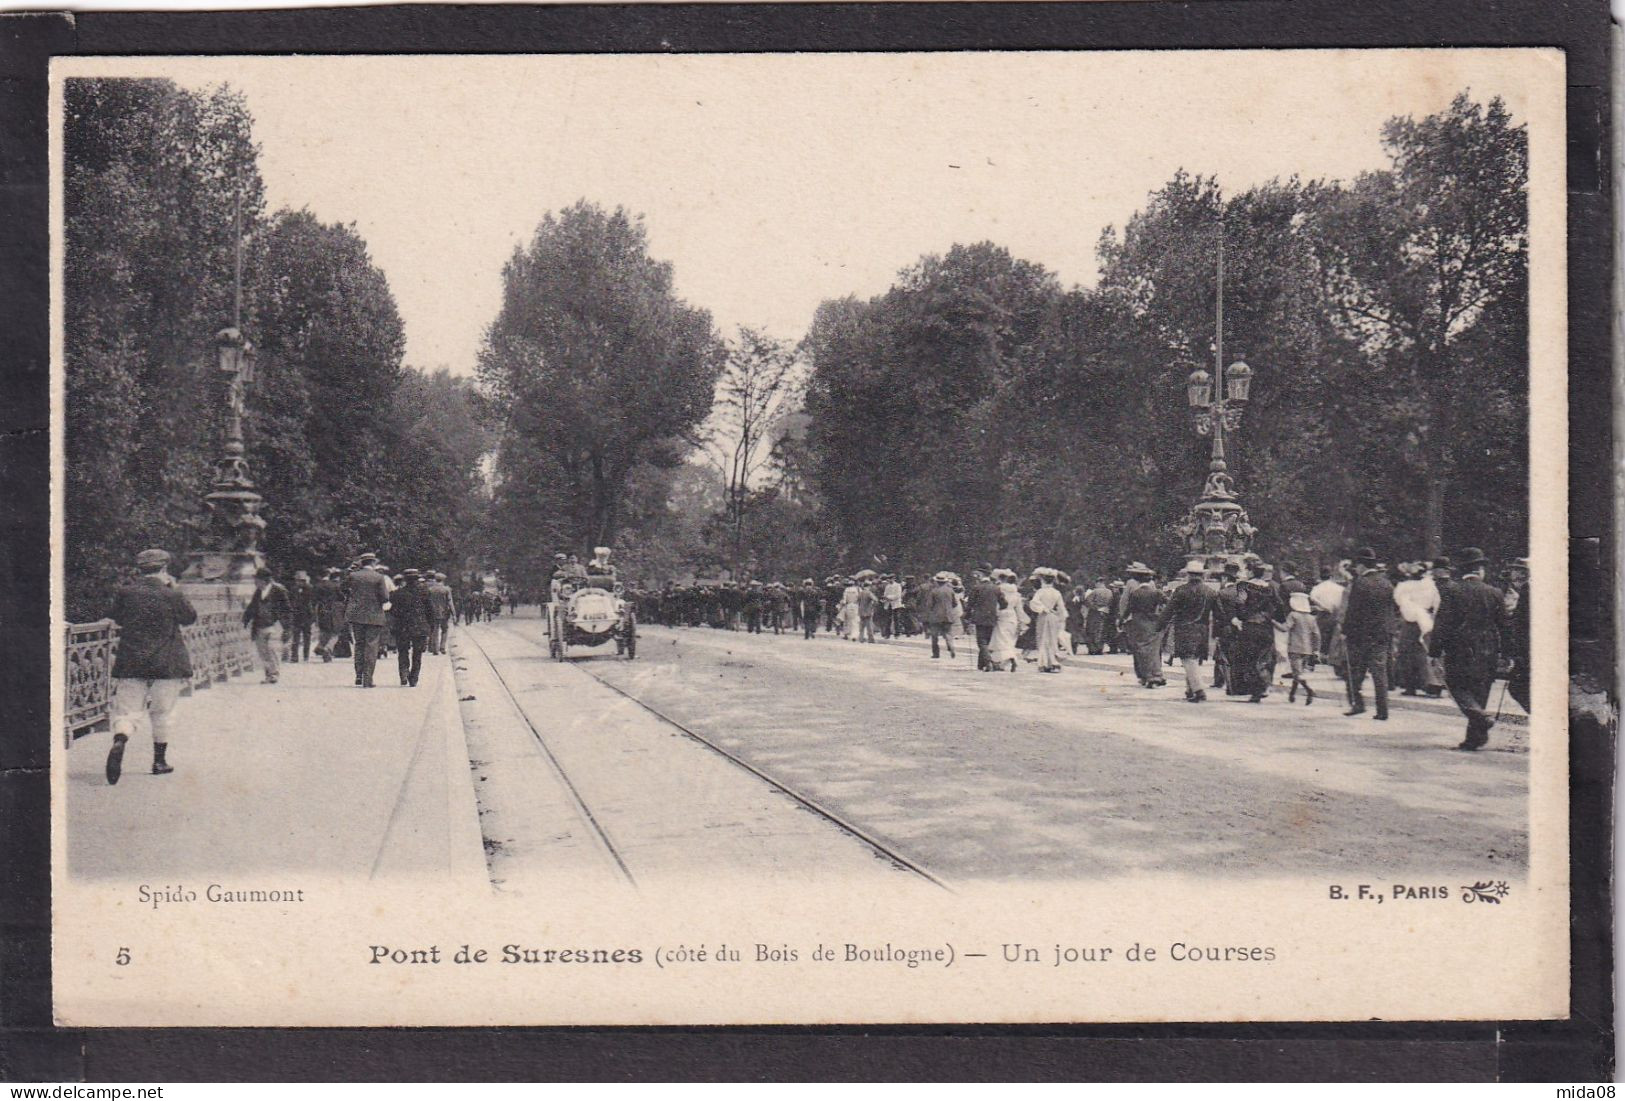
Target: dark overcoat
(1467,630)
(150,615)
(1189,612)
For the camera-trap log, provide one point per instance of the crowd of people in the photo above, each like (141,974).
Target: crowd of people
(1427,627)
(362,612)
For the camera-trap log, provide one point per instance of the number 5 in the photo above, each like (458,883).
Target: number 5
(123,957)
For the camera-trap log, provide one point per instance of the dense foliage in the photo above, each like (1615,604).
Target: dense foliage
(600,372)
(350,450)
(979,410)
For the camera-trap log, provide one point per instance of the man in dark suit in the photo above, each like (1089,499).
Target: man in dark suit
(329,600)
(938,612)
(982,609)
(809,601)
(368,601)
(268,609)
(1467,636)
(152,665)
(302,613)
(411,613)
(1226,610)
(1189,612)
(1368,631)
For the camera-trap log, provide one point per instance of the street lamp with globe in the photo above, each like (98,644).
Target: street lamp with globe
(1217,527)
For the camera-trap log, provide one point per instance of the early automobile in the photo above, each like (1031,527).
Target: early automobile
(591,611)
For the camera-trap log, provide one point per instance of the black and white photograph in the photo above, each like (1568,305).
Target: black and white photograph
(1048,536)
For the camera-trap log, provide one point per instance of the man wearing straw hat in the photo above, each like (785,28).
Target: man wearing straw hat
(152,665)
(1189,612)
(937,610)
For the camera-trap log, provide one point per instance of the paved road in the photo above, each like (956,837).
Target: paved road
(579,788)
(1084,774)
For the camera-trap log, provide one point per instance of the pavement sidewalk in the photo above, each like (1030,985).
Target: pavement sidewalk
(310,774)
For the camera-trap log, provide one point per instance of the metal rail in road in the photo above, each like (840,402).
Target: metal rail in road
(598,831)
(880,847)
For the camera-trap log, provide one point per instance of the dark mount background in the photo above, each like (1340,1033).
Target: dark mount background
(1580,1049)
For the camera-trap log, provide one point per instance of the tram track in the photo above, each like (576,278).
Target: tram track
(805,801)
(597,830)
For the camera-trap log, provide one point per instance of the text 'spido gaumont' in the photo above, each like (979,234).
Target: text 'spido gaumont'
(166,895)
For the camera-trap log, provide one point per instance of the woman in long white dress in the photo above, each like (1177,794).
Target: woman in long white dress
(1013,619)
(850,620)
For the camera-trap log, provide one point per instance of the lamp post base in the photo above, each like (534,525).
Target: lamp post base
(220,581)
(1217,526)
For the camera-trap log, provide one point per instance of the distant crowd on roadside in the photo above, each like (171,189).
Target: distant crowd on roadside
(1426,627)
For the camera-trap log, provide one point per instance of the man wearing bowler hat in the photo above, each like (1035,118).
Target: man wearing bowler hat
(1368,631)
(152,665)
(1467,637)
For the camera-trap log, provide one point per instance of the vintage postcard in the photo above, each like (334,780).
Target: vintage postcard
(816,538)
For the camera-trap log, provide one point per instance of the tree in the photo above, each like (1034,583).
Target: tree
(757,389)
(596,365)
(1157,296)
(1412,256)
(152,175)
(321,429)
(897,401)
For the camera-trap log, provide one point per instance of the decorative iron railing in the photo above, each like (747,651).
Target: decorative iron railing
(218,644)
(91,649)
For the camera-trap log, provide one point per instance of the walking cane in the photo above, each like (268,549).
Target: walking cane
(1500,702)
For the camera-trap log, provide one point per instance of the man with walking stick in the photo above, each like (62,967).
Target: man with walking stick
(1467,636)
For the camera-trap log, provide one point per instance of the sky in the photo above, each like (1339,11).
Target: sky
(773,182)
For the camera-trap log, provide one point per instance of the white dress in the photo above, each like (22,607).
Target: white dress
(1012,618)
(850,620)
(1050,608)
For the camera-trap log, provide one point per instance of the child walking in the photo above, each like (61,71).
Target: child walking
(1302,640)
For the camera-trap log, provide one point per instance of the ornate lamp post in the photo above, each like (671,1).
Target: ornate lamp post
(1217,525)
(220,575)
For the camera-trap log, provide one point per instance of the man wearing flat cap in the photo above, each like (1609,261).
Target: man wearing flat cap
(442,607)
(152,665)
(1467,637)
